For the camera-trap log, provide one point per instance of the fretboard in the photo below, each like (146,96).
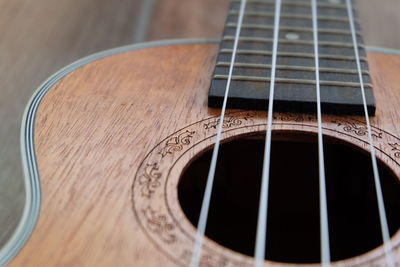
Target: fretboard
(295,84)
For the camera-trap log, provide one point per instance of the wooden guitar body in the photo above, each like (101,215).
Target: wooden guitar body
(109,138)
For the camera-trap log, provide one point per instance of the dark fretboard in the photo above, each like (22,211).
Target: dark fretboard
(295,87)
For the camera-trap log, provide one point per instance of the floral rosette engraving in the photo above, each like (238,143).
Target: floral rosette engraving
(358,129)
(395,149)
(158,224)
(293,117)
(229,122)
(150,180)
(177,143)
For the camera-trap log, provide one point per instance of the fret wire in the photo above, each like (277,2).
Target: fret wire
(285,28)
(290,16)
(286,54)
(298,3)
(294,81)
(284,41)
(291,67)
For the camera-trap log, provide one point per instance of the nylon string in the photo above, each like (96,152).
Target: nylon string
(381,205)
(324,228)
(259,253)
(201,227)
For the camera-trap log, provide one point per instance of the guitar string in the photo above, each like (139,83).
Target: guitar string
(379,195)
(201,227)
(324,228)
(263,201)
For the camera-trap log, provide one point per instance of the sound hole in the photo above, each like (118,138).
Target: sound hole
(293,211)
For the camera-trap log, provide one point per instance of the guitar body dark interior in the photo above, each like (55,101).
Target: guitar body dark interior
(122,145)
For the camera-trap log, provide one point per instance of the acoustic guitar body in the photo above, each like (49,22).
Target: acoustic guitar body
(112,139)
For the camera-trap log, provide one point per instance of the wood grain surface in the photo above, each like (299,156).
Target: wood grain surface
(93,134)
(188,19)
(203,19)
(41,36)
(38,38)
(380,22)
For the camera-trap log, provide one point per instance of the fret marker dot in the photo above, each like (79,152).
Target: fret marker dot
(292,36)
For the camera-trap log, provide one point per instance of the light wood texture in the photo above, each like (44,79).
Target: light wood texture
(205,19)
(188,19)
(94,131)
(380,22)
(38,38)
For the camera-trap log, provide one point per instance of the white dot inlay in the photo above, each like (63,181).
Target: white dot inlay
(292,36)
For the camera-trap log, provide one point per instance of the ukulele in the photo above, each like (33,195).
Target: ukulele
(276,146)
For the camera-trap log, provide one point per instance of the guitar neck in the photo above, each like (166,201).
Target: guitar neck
(295,76)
